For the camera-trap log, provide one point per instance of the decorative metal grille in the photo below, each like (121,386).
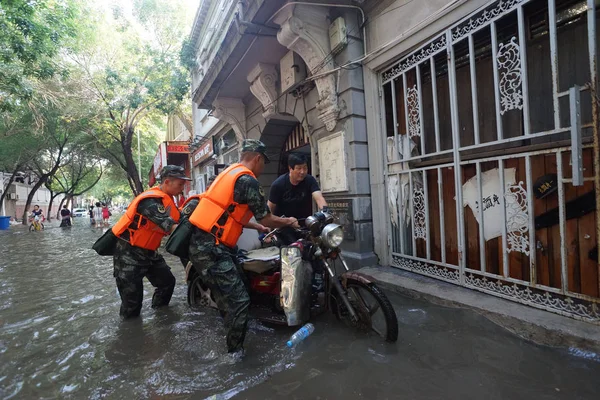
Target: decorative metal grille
(511,91)
(407,63)
(517,219)
(422,268)
(509,66)
(412,101)
(483,18)
(419,213)
(543,300)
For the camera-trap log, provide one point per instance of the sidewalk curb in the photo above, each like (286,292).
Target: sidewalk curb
(536,325)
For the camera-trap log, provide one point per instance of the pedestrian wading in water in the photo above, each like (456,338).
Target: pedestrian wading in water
(151,216)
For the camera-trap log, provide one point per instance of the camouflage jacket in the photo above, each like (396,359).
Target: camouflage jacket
(154,210)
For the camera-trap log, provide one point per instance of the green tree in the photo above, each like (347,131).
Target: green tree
(79,176)
(32,34)
(113,185)
(133,67)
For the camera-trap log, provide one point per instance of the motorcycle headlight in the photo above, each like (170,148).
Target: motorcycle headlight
(332,235)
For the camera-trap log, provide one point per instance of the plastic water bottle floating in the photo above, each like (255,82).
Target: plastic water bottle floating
(301,334)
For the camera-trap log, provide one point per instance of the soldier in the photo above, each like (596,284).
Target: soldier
(217,223)
(151,216)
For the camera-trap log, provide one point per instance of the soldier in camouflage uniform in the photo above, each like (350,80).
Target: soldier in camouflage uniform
(132,263)
(217,263)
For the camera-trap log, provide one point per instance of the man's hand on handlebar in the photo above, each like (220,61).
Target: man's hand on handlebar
(293,222)
(262,229)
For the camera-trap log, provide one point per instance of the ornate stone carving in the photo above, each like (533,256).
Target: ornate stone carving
(231,111)
(263,78)
(305,30)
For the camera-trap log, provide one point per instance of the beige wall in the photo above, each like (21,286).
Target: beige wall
(405,24)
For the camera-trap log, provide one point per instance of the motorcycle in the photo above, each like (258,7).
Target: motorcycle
(291,284)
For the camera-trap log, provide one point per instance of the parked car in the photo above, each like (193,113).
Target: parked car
(80,212)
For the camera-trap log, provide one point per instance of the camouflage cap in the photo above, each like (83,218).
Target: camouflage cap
(256,146)
(173,171)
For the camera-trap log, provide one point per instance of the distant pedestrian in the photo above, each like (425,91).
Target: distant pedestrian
(91,213)
(98,215)
(65,216)
(105,214)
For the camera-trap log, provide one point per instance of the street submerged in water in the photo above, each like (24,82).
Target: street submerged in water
(61,337)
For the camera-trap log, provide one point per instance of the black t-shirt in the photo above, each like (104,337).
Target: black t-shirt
(64,212)
(293,201)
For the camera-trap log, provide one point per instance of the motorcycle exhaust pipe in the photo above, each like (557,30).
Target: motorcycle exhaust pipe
(338,287)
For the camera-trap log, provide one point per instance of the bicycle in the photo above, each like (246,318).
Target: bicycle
(36,225)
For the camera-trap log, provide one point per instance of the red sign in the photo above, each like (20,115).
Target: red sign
(204,152)
(178,147)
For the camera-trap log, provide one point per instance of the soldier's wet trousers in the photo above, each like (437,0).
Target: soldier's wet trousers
(226,283)
(129,282)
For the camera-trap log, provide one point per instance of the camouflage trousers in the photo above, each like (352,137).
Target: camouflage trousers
(221,274)
(129,282)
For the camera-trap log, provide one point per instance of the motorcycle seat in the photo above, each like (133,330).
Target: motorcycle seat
(266,254)
(257,266)
(260,260)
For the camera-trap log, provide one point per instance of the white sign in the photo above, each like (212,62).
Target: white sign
(491,194)
(332,163)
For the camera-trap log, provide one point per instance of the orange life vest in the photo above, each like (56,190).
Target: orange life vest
(217,213)
(143,232)
(185,212)
(192,197)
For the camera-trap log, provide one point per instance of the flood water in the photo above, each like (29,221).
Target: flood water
(61,337)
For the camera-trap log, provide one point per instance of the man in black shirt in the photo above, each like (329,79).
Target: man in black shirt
(291,194)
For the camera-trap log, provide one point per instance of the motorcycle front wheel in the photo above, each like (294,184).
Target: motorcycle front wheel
(374,309)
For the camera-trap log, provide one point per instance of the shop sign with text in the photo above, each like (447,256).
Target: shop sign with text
(204,152)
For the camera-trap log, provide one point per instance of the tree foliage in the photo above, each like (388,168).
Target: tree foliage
(33,32)
(79,80)
(132,66)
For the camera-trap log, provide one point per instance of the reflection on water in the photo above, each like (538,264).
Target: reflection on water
(61,337)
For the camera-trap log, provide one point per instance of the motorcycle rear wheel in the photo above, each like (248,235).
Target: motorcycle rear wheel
(198,294)
(374,310)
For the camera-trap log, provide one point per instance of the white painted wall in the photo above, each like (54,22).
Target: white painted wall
(203,123)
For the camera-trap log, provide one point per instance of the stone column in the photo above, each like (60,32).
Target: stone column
(340,106)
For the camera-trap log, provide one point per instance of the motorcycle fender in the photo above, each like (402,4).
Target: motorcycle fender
(296,284)
(188,268)
(356,276)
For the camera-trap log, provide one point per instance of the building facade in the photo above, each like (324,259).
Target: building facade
(17,193)
(456,139)
(174,150)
